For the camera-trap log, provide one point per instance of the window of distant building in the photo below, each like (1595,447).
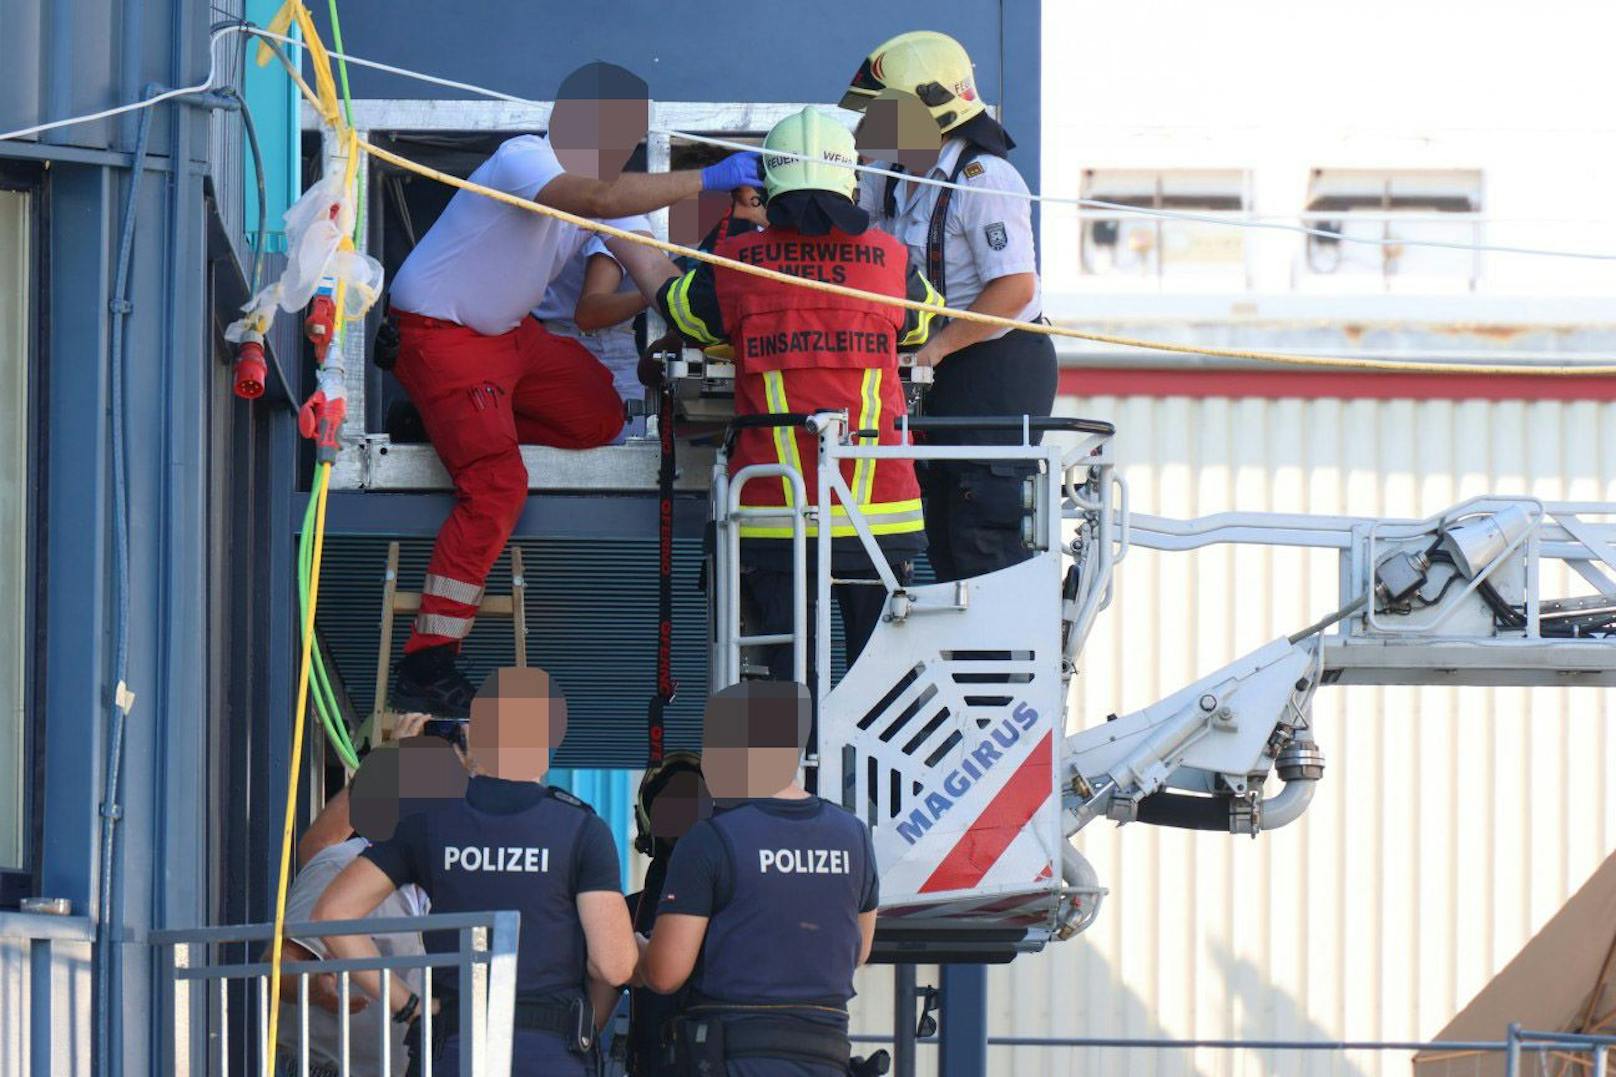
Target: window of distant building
(1120,245)
(1392,207)
(19,283)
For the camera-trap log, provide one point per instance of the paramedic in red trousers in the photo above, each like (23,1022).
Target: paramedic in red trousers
(798,350)
(976,246)
(485,376)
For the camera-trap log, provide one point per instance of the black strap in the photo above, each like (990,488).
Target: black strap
(666,686)
(939,221)
(787,1038)
(939,216)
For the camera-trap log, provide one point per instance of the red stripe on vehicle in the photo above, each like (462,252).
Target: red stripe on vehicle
(1010,810)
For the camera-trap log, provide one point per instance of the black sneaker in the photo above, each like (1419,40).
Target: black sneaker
(405,425)
(442,692)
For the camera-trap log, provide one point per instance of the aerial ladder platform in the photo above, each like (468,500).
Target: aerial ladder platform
(948,735)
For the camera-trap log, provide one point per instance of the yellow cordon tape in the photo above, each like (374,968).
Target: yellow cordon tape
(1408,366)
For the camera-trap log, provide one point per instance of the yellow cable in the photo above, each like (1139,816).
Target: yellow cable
(322,485)
(1397,365)
(322,481)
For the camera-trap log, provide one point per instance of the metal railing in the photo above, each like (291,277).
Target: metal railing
(1586,1053)
(199,973)
(40,956)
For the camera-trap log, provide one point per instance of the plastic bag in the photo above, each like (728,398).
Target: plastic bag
(258,313)
(315,226)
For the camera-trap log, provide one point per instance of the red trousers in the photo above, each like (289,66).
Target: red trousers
(480,398)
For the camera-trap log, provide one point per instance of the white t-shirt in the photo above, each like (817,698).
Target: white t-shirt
(485,264)
(562,299)
(365,1028)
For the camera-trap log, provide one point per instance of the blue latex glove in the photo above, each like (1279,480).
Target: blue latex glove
(744,169)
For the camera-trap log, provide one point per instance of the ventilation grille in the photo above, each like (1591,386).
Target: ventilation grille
(592,624)
(918,726)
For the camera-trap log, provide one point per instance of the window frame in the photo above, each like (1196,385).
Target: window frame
(1162,274)
(30,178)
(1330,212)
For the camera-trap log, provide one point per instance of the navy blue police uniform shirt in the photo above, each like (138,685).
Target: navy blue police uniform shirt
(782,883)
(509,845)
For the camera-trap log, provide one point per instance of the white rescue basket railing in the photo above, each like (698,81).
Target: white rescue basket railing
(946,734)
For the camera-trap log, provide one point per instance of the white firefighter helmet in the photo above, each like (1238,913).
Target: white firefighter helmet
(828,147)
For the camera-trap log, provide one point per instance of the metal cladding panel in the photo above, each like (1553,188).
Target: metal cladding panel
(70,57)
(526,49)
(592,624)
(229,165)
(1450,825)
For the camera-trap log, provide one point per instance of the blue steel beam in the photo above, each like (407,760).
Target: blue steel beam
(963,1027)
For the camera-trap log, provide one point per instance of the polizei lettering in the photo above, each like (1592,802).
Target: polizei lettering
(514,858)
(957,782)
(818,340)
(804,861)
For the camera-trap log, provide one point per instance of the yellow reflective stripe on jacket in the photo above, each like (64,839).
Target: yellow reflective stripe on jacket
(922,328)
(685,318)
(785,438)
(869,419)
(888,518)
(883,518)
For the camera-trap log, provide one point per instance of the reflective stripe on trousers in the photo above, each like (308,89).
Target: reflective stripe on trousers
(468,594)
(441,624)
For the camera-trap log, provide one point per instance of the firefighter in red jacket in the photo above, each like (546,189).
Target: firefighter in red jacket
(798,350)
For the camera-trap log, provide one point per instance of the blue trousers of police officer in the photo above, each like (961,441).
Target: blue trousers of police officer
(974,510)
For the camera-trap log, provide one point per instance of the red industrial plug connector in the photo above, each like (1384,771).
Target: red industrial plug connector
(318,325)
(251,370)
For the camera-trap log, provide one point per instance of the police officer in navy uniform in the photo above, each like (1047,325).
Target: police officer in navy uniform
(768,907)
(673,798)
(977,248)
(511,843)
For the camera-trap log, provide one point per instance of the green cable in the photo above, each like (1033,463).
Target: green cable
(320,688)
(347,108)
(324,704)
(342,61)
(330,719)
(321,692)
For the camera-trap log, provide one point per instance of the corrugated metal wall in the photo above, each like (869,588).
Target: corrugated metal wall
(1450,825)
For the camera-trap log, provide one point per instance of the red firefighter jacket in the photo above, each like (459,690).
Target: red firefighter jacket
(800,350)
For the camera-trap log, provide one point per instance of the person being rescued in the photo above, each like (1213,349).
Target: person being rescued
(800,351)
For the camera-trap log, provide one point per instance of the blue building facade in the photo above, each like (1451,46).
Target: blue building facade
(159,512)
